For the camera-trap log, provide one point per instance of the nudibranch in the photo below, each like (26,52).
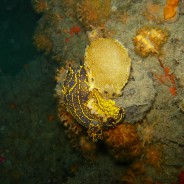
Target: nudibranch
(89,90)
(87,105)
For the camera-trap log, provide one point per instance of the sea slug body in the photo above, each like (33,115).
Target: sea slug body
(87,106)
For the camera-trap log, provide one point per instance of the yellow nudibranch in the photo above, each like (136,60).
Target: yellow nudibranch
(89,90)
(87,106)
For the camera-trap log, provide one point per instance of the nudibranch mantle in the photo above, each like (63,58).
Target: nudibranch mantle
(109,66)
(88,106)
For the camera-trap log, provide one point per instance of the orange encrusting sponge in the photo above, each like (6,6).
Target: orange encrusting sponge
(170,9)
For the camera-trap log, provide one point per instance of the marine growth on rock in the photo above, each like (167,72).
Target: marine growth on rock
(149,40)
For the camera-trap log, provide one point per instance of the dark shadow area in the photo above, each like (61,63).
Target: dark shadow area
(17,25)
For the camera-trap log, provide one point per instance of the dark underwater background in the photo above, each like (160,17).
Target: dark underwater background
(26,102)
